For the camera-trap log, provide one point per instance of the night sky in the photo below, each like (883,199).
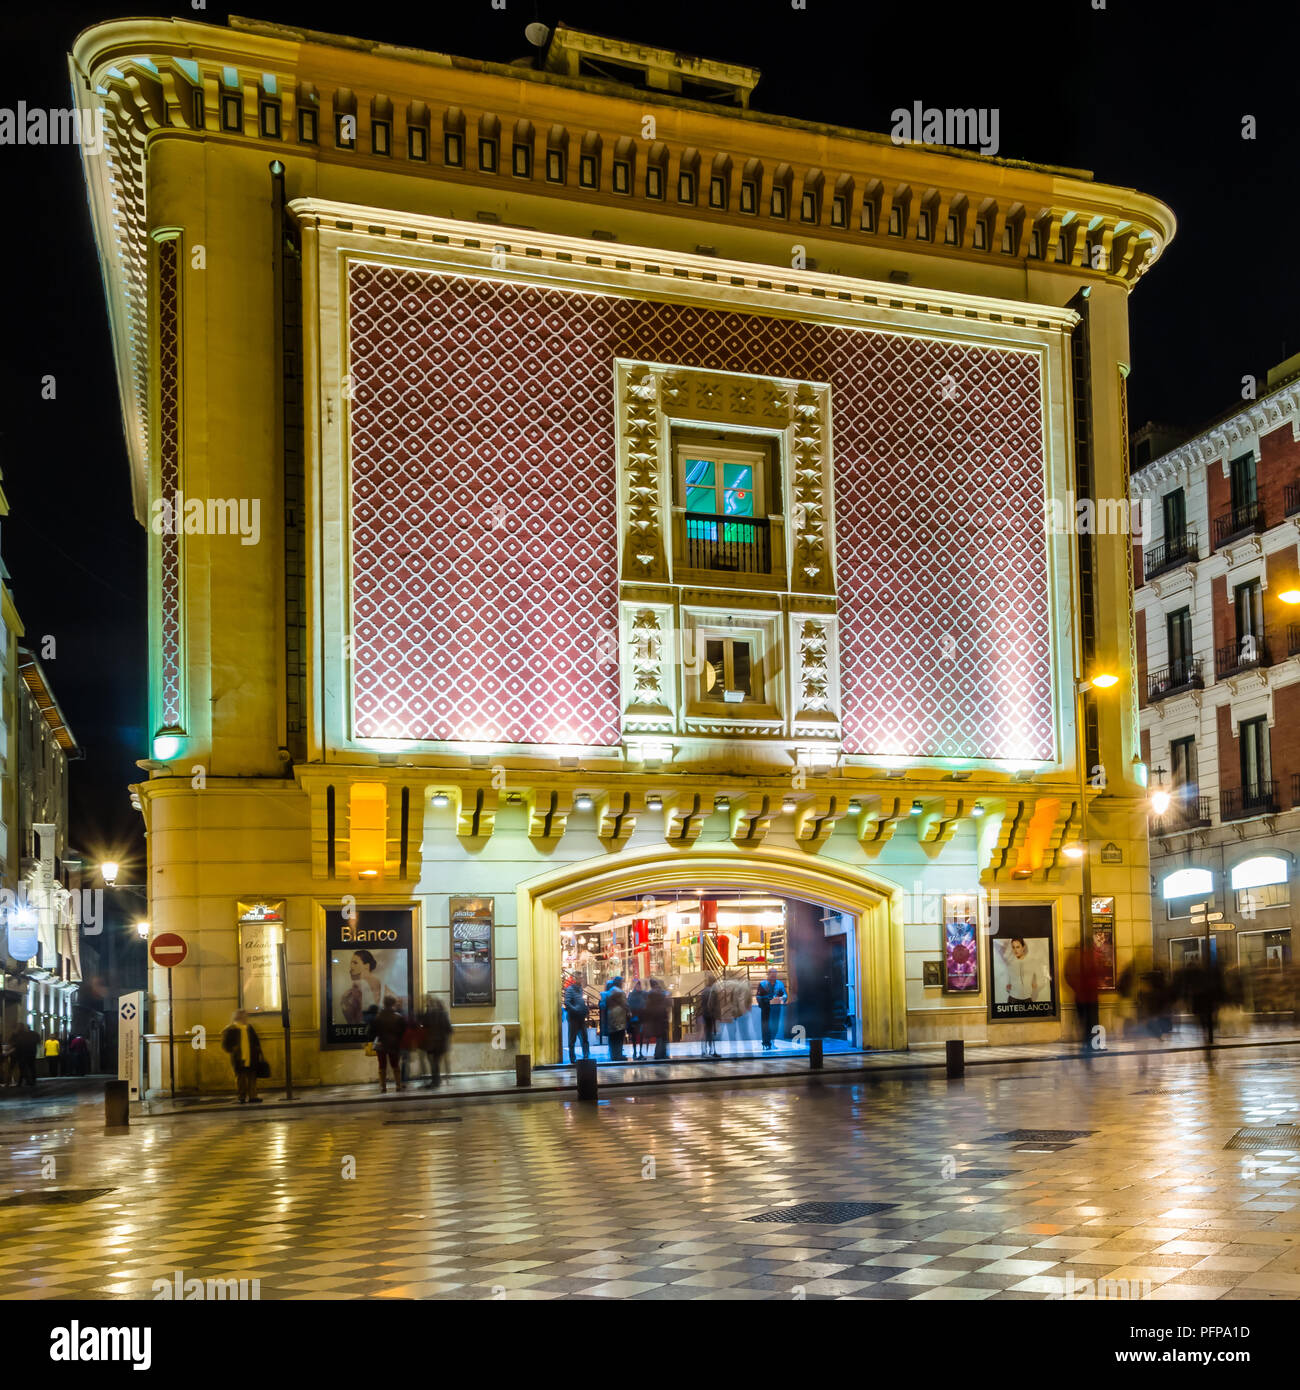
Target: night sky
(1147,95)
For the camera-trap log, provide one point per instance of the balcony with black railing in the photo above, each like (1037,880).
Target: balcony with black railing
(1179,549)
(1174,679)
(1246,654)
(1240,521)
(1239,803)
(1187,811)
(1291,498)
(731,544)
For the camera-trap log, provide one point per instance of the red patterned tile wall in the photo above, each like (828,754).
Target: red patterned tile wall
(484,515)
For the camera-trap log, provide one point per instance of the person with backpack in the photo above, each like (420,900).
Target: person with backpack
(616,1018)
(575,1014)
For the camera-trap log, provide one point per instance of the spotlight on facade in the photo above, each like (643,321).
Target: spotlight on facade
(441,799)
(916,809)
(166,747)
(654,802)
(1073,851)
(977,809)
(722,803)
(789,804)
(108,871)
(854,806)
(583,801)
(1290,596)
(1105,680)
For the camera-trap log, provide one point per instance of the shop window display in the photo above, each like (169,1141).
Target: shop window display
(692,975)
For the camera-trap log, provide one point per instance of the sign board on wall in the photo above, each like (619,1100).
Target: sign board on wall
(961,952)
(367,957)
(473,980)
(261,930)
(1022,965)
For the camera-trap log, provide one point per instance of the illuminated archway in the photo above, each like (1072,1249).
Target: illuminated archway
(875,903)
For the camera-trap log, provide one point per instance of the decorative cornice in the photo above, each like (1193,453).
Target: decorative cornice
(1221,439)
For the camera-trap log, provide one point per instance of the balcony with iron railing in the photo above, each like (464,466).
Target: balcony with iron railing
(1175,550)
(1247,654)
(730,544)
(1240,521)
(1187,811)
(1174,679)
(1291,498)
(1239,803)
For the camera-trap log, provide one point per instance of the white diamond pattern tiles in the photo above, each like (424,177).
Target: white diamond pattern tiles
(484,515)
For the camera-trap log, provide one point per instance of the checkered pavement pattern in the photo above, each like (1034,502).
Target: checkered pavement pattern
(649,1195)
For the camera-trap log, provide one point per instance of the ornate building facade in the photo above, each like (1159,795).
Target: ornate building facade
(582,505)
(1218,616)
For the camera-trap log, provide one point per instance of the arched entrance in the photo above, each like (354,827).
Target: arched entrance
(874,902)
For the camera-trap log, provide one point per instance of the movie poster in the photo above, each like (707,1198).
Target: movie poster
(1022,965)
(1103,940)
(367,956)
(961,956)
(472,978)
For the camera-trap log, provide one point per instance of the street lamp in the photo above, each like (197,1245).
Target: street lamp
(1290,596)
(142,930)
(1160,798)
(108,871)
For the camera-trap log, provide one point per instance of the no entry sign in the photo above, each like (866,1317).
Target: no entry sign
(168,949)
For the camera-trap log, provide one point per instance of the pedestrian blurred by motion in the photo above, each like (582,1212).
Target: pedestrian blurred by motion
(79,1055)
(707,1008)
(1083,975)
(240,1040)
(658,1007)
(1204,990)
(616,1017)
(576,1012)
(387,1029)
(636,1005)
(435,1024)
(27,1044)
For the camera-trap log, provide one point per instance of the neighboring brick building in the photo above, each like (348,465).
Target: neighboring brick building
(1218,618)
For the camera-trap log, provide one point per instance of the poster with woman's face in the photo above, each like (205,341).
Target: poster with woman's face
(368,957)
(961,958)
(1022,965)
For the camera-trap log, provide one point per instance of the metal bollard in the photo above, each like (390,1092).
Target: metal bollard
(587,1084)
(815,1054)
(523,1069)
(117,1107)
(955,1051)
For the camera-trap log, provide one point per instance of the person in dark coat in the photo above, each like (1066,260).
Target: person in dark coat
(240,1040)
(26,1044)
(636,1006)
(709,1016)
(655,1019)
(616,1016)
(435,1023)
(575,1013)
(771,994)
(387,1028)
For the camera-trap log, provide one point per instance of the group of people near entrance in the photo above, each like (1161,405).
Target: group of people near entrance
(24,1047)
(642,1015)
(397,1041)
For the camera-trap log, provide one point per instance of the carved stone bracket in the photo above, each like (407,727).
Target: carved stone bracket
(643,487)
(816,817)
(878,821)
(751,817)
(548,814)
(684,817)
(476,813)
